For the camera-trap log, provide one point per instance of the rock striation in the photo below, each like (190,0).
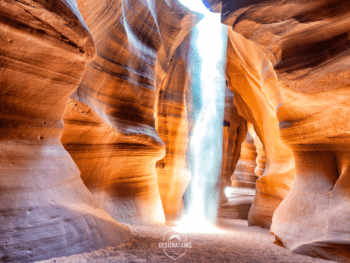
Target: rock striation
(45,209)
(252,79)
(244,174)
(234,132)
(119,173)
(173,124)
(308,45)
(124,97)
(116,74)
(261,156)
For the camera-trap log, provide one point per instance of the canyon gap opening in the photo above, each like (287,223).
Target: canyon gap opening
(207,66)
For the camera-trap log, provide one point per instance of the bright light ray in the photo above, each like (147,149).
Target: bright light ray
(228,191)
(195,6)
(205,148)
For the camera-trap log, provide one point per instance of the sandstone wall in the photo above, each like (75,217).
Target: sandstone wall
(125,92)
(308,44)
(252,79)
(46,210)
(244,174)
(126,126)
(173,124)
(234,132)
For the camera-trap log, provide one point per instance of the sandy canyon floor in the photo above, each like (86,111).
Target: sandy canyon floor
(238,243)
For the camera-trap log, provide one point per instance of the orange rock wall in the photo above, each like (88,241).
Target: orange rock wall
(234,131)
(116,73)
(172,125)
(308,45)
(127,92)
(45,48)
(256,97)
(244,174)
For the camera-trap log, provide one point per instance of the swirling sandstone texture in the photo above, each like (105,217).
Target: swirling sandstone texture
(244,174)
(45,209)
(111,121)
(261,156)
(234,132)
(172,124)
(308,44)
(253,81)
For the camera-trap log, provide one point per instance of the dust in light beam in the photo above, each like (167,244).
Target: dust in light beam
(207,65)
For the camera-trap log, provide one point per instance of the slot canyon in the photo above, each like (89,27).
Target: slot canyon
(162,130)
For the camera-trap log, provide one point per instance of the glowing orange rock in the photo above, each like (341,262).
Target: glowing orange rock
(234,132)
(173,127)
(46,211)
(116,145)
(256,97)
(119,172)
(308,42)
(244,174)
(261,156)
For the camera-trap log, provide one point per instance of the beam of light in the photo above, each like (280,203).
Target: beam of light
(228,192)
(195,6)
(207,64)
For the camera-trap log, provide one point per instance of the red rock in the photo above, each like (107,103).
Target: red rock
(257,95)
(287,65)
(234,132)
(46,209)
(308,43)
(122,88)
(172,125)
(244,174)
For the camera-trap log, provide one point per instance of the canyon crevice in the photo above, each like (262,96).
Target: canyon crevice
(95,121)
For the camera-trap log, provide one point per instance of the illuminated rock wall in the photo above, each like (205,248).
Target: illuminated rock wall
(287,65)
(46,210)
(244,174)
(234,132)
(261,156)
(127,90)
(256,98)
(308,44)
(173,127)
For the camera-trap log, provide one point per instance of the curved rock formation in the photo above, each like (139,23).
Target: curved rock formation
(244,174)
(253,81)
(173,127)
(234,132)
(119,173)
(45,209)
(261,156)
(308,44)
(252,162)
(287,65)
(116,144)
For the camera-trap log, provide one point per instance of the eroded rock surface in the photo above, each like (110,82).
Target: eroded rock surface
(252,79)
(234,132)
(244,174)
(287,65)
(308,44)
(125,88)
(173,126)
(45,209)
(118,172)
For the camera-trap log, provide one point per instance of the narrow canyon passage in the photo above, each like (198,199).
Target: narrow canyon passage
(119,117)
